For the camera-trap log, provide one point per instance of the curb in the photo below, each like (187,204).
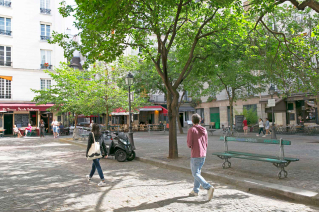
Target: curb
(249,185)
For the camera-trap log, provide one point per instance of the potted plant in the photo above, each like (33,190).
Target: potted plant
(46,64)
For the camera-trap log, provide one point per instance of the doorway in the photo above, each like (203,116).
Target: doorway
(47,119)
(8,124)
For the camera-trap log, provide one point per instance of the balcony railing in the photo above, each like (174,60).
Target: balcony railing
(5,3)
(42,66)
(45,37)
(45,11)
(5,32)
(5,63)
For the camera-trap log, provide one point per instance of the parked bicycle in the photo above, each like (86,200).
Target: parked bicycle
(228,132)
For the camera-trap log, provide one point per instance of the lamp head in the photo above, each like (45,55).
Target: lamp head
(129,79)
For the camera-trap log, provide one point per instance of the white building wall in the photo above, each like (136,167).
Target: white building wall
(26,44)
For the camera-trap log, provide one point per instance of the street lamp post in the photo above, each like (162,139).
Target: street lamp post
(273,132)
(129,81)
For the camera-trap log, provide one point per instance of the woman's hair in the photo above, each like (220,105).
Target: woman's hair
(96,130)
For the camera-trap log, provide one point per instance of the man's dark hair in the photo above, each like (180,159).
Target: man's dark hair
(96,130)
(196,118)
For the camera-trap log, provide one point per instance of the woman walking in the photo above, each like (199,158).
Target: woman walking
(95,135)
(261,128)
(42,126)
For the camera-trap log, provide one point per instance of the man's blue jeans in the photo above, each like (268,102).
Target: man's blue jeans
(196,167)
(96,165)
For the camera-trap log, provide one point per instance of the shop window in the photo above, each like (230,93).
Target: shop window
(135,117)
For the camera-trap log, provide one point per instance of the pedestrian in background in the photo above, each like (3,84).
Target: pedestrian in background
(55,128)
(261,127)
(42,127)
(197,140)
(245,128)
(267,127)
(96,162)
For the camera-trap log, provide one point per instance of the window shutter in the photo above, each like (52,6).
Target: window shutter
(1,23)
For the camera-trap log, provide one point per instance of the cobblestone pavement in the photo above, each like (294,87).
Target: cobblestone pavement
(302,174)
(46,175)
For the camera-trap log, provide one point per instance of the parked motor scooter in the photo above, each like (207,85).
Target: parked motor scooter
(119,146)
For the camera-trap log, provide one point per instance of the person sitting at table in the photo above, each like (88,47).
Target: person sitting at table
(61,127)
(16,131)
(28,129)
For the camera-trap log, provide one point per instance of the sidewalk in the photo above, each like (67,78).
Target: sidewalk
(302,183)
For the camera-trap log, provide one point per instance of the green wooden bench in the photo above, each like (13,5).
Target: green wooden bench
(279,161)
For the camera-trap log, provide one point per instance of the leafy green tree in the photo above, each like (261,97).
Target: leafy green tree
(156,27)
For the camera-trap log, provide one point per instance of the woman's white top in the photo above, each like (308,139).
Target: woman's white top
(261,124)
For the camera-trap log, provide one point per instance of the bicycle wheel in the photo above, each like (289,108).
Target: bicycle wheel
(235,134)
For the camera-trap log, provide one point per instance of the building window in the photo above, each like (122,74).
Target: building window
(45,7)
(46,59)
(59,119)
(5,56)
(5,89)
(45,32)
(5,3)
(5,26)
(45,84)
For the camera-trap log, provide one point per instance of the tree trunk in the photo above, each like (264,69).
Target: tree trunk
(231,113)
(172,101)
(107,118)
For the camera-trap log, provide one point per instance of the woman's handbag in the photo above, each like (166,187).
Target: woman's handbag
(94,151)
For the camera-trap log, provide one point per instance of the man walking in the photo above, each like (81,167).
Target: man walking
(197,141)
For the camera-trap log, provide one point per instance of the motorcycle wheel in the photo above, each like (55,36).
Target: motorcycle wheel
(131,157)
(120,155)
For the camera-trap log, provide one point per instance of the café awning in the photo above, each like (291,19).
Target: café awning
(159,108)
(151,109)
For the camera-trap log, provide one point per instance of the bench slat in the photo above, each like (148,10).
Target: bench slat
(260,155)
(271,160)
(256,140)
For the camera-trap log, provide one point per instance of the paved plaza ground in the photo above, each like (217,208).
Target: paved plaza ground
(48,175)
(303,174)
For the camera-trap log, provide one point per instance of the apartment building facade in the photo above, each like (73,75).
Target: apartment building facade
(25,28)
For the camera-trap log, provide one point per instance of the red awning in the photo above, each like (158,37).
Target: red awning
(24,107)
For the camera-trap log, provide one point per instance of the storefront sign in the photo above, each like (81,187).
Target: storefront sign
(19,109)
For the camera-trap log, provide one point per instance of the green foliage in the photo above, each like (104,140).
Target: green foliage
(195,101)
(84,91)
(251,116)
(211,98)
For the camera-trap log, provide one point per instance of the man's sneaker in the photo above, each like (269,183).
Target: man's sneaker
(210,193)
(101,184)
(257,135)
(88,178)
(264,136)
(193,194)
